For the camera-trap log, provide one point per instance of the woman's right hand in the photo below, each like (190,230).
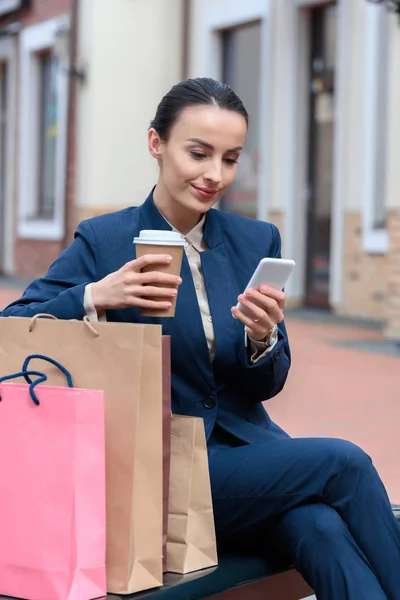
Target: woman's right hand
(129,287)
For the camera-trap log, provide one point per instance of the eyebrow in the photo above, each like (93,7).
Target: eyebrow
(210,146)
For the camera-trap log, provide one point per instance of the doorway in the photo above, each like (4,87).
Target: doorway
(320,153)
(241,68)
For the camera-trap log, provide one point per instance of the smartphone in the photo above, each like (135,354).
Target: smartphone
(273,272)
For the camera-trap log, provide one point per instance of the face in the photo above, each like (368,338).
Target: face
(199,161)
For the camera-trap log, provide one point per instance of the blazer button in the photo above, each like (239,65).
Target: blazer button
(277,355)
(209,402)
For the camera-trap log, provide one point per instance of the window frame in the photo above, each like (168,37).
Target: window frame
(228,34)
(223,15)
(8,6)
(375,239)
(34,40)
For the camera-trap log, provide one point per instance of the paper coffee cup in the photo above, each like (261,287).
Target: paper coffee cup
(161,242)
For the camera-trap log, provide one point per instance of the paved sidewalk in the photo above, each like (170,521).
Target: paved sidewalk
(344,382)
(8,295)
(340,389)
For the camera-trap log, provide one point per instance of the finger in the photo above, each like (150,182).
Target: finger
(259,299)
(268,304)
(257,320)
(148,290)
(254,311)
(278,295)
(149,259)
(156,277)
(136,301)
(252,329)
(266,299)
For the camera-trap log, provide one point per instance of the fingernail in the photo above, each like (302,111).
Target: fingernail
(178,280)
(167,305)
(168,258)
(174,292)
(264,289)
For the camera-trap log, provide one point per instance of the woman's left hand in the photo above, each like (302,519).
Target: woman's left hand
(264,307)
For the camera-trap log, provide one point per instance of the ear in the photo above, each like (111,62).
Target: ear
(155,144)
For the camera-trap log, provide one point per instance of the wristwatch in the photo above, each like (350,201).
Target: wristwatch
(270,339)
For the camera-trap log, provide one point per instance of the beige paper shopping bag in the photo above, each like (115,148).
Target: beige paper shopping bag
(166,367)
(124,360)
(191,533)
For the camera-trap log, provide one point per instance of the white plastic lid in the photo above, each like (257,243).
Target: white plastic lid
(160,237)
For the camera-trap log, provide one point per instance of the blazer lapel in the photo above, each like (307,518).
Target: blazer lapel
(187,322)
(222,290)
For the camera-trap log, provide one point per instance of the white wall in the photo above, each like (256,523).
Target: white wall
(196,64)
(133,56)
(393,166)
(8,55)
(355,104)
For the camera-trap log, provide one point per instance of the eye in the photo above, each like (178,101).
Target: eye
(231,161)
(198,155)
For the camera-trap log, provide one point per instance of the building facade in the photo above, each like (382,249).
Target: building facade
(321,82)
(34,105)
(320,79)
(79,85)
(134,54)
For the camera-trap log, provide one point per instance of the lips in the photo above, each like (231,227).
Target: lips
(205,192)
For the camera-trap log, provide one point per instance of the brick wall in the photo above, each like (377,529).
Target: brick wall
(365,276)
(277,217)
(41,10)
(33,257)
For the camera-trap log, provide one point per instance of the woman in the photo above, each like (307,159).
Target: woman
(317,502)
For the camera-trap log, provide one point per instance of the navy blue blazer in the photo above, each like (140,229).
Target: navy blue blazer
(228,390)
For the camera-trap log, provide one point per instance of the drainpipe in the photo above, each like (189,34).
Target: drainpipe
(70,183)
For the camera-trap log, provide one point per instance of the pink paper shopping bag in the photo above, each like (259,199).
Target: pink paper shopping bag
(52,490)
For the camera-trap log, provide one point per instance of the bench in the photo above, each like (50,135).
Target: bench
(235,578)
(396,511)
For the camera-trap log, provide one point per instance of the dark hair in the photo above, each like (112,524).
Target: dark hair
(194,92)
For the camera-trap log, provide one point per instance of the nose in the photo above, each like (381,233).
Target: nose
(214,172)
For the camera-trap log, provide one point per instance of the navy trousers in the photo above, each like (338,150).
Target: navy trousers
(319,503)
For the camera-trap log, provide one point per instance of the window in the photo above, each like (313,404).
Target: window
(241,48)
(42,134)
(330,37)
(47,136)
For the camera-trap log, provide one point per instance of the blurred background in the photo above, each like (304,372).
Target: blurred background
(79,83)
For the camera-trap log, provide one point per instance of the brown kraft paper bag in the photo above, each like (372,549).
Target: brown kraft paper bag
(166,366)
(191,532)
(124,360)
